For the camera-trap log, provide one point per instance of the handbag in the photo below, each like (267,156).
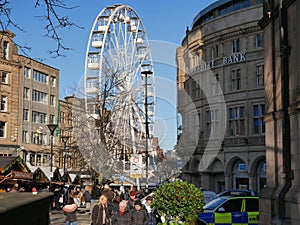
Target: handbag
(61,199)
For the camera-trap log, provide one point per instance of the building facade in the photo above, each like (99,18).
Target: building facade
(29,101)
(221,98)
(280,200)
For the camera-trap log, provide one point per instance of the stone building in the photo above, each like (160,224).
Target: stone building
(280,200)
(29,101)
(221,97)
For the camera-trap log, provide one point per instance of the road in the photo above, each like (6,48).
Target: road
(58,218)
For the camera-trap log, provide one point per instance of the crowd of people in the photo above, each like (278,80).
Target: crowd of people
(105,205)
(110,207)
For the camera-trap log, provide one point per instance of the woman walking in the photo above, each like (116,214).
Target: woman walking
(122,216)
(101,212)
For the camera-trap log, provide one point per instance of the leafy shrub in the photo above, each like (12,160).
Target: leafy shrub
(178,201)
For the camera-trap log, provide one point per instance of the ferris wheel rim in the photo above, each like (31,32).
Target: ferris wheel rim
(116,9)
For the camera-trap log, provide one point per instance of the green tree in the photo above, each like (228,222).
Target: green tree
(178,201)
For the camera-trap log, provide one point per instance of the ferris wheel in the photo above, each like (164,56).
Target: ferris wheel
(119,86)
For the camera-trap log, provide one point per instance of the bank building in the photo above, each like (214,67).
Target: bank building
(221,98)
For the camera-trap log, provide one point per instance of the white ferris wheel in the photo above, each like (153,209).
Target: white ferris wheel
(119,86)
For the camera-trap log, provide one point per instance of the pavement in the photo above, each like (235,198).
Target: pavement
(57,217)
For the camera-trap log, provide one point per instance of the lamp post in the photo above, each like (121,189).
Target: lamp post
(52,128)
(146,73)
(65,140)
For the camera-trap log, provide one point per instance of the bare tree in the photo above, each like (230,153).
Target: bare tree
(54,22)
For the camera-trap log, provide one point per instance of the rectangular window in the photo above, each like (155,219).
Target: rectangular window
(38,117)
(52,100)
(235,46)
(38,138)
(212,122)
(62,117)
(5,49)
(2,129)
(259,41)
(236,121)
(52,119)
(215,87)
(214,52)
(53,81)
(4,77)
(235,79)
(3,106)
(39,76)
(25,115)
(260,76)
(38,96)
(26,72)
(258,119)
(25,136)
(26,93)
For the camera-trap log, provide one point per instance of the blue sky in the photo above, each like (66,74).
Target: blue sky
(164,21)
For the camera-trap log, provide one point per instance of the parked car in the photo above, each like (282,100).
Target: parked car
(237,192)
(231,210)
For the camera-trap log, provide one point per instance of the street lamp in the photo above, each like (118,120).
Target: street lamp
(146,73)
(65,139)
(52,128)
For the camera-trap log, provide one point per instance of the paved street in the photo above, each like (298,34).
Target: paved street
(58,218)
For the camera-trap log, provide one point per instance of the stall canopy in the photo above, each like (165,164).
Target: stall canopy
(13,168)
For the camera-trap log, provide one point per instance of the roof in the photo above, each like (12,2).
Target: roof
(5,161)
(209,8)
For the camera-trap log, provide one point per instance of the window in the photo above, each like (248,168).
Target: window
(235,79)
(259,75)
(236,121)
(212,122)
(25,115)
(252,205)
(53,81)
(62,117)
(236,46)
(214,52)
(2,129)
(39,76)
(215,87)
(26,72)
(26,93)
(37,138)
(3,106)
(4,77)
(38,117)
(258,119)
(5,49)
(259,41)
(233,205)
(52,100)
(25,136)
(38,96)
(52,119)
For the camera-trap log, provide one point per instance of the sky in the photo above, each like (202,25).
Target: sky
(165,23)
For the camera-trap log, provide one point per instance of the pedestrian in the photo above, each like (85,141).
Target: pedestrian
(122,216)
(87,197)
(154,217)
(108,193)
(70,211)
(139,215)
(101,214)
(131,200)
